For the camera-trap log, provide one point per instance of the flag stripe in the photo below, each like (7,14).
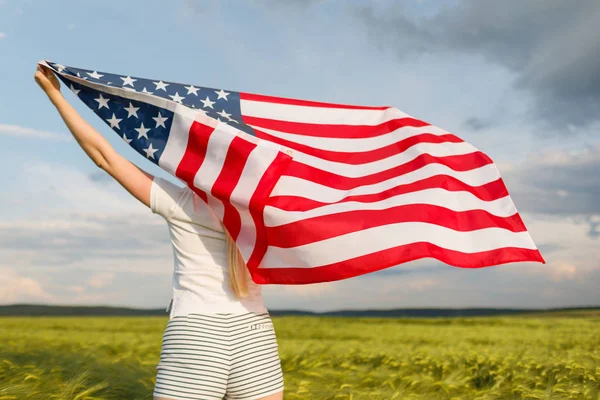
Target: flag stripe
(354,144)
(234,162)
(371,240)
(393,163)
(284,100)
(360,155)
(194,155)
(257,205)
(177,143)
(322,115)
(210,168)
(338,131)
(456,201)
(329,226)
(300,187)
(390,257)
(487,192)
(257,164)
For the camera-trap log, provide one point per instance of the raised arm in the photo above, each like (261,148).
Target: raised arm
(136,181)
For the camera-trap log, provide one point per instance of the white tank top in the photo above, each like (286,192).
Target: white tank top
(201,275)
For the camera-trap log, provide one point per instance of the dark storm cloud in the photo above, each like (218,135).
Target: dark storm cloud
(477,124)
(551,45)
(559,184)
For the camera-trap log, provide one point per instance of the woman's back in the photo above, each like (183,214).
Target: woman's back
(201,275)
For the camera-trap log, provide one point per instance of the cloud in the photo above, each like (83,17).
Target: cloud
(297,4)
(101,280)
(16,288)
(2,35)
(63,239)
(551,46)
(23,132)
(557,183)
(562,270)
(477,124)
(49,188)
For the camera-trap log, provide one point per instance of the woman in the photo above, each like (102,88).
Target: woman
(219,341)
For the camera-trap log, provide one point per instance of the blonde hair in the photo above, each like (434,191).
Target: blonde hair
(238,272)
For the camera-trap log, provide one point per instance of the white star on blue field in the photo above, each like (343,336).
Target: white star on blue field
(146,127)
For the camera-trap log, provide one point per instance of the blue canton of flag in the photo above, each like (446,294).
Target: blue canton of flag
(146,127)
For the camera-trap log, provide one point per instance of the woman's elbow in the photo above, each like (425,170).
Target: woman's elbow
(99,159)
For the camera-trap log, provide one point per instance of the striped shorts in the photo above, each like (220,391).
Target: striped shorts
(219,356)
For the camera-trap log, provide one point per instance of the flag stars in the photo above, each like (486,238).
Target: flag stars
(60,67)
(126,139)
(177,98)
(95,75)
(208,103)
(160,120)
(224,115)
(150,151)
(102,102)
(192,90)
(75,91)
(222,94)
(132,111)
(114,121)
(142,131)
(144,90)
(128,81)
(160,85)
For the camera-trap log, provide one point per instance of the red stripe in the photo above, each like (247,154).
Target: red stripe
(392,257)
(331,130)
(284,100)
(324,227)
(233,165)
(257,205)
(200,193)
(361,157)
(463,162)
(487,192)
(194,155)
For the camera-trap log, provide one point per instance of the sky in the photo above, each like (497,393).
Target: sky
(518,80)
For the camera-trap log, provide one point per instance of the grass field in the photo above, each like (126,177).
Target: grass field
(524,357)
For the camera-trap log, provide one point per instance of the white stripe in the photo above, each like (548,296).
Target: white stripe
(319,115)
(256,165)
(455,201)
(216,150)
(379,238)
(207,174)
(359,170)
(355,144)
(177,143)
(293,186)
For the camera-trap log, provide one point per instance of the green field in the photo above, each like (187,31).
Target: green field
(520,357)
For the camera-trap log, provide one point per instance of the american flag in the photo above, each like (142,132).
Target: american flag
(313,191)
